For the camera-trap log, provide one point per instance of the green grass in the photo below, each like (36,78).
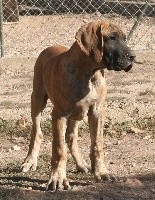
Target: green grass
(147,123)
(117,129)
(10,128)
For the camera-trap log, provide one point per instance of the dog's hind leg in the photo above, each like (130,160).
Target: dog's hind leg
(71,138)
(38,103)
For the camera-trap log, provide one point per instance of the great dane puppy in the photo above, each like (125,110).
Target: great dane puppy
(73,79)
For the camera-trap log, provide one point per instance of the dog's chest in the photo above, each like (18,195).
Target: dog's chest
(79,110)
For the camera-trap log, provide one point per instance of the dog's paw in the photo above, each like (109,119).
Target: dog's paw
(83,168)
(29,164)
(105,177)
(58,182)
(102,175)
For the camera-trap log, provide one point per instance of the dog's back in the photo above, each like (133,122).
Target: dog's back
(49,54)
(46,56)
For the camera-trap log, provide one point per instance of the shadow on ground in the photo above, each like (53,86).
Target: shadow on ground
(17,188)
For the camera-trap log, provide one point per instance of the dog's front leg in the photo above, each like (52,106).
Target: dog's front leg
(58,178)
(96,122)
(72,141)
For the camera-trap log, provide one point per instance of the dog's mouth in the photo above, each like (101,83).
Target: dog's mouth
(124,65)
(120,68)
(118,64)
(128,68)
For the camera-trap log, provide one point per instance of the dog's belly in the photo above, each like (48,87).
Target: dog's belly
(78,112)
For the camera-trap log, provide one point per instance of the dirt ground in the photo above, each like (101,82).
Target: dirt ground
(129,134)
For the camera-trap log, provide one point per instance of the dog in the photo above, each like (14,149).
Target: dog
(73,79)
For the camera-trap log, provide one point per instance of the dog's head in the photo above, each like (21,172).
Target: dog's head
(105,44)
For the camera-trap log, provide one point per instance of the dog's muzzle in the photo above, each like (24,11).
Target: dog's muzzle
(129,57)
(124,62)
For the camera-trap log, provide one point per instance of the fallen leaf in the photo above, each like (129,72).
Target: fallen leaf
(22,122)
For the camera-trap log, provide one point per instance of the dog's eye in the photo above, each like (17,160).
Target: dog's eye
(113,37)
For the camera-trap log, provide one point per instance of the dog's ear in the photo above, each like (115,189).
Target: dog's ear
(89,38)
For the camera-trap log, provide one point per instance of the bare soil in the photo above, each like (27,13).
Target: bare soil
(129,131)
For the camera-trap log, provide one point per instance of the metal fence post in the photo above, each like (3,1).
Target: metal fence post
(139,18)
(1,29)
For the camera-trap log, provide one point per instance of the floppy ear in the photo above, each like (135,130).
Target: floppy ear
(90,40)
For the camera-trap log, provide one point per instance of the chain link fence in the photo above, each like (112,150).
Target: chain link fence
(29,26)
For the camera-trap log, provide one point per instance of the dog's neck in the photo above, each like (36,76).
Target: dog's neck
(84,65)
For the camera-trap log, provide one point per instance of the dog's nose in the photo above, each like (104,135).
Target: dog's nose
(131,56)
